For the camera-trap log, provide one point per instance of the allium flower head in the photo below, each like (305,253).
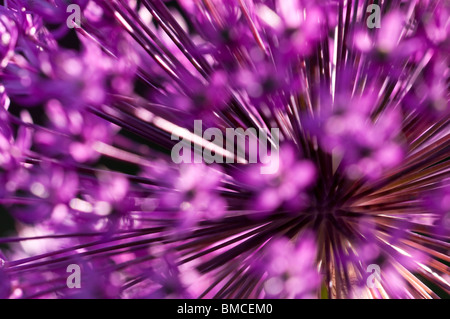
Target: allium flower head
(356,205)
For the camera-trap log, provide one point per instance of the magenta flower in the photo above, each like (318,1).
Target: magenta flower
(291,271)
(356,206)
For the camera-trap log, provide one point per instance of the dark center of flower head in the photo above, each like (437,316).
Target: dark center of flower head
(190,194)
(365,151)
(170,289)
(228,36)
(270,84)
(291,31)
(285,276)
(381,56)
(199,99)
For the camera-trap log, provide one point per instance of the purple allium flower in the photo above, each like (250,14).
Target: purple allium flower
(286,186)
(291,271)
(362,180)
